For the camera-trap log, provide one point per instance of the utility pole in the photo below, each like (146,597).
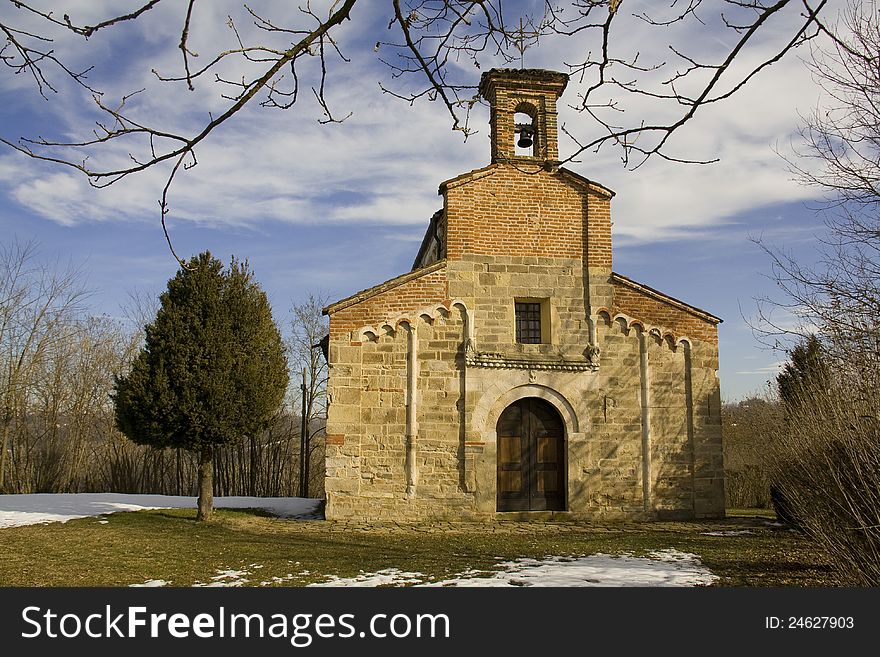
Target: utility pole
(308,429)
(303,453)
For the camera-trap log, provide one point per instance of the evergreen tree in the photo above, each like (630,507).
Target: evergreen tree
(212,370)
(807,370)
(802,381)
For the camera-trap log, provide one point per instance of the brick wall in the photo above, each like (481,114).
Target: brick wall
(503,210)
(645,307)
(404,294)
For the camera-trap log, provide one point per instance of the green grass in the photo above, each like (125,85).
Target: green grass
(131,548)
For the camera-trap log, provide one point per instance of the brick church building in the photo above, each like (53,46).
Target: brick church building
(512,373)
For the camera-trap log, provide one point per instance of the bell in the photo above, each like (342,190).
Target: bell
(526,135)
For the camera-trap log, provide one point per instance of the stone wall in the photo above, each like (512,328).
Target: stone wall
(613,472)
(489,285)
(605,410)
(381,462)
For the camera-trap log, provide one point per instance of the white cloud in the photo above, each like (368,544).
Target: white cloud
(773,368)
(47,194)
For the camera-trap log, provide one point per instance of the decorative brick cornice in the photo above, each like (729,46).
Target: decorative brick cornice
(533,362)
(522,77)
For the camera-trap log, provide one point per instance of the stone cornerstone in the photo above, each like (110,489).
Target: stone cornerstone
(512,373)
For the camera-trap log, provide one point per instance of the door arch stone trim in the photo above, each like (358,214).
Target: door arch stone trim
(487,412)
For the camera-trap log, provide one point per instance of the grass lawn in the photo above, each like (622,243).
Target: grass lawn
(131,548)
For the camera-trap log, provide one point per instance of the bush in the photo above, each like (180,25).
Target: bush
(827,469)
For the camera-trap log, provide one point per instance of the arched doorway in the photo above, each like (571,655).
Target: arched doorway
(531,457)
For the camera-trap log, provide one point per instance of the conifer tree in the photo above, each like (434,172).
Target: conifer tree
(807,370)
(212,370)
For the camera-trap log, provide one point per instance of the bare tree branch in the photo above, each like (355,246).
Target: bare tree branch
(838,298)
(434,52)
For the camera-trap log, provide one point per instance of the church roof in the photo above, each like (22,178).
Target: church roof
(390,284)
(489,169)
(429,234)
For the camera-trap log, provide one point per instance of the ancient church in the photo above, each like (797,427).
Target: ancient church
(512,373)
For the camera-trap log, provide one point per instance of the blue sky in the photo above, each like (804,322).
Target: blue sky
(336,208)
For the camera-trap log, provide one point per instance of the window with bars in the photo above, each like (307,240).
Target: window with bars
(528,322)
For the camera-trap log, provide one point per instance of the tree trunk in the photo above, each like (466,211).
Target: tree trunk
(253,471)
(177,474)
(206,483)
(4,446)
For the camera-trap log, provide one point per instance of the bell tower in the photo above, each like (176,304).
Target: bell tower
(523,113)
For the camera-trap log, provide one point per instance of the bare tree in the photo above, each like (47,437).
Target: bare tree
(825,460)
(826,457)
(749,427)
(434,50)
(65,422)
(308,328)
(37,305)
(839,296)
(58,363)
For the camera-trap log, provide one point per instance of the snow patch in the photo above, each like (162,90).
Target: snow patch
(661,568)
(387,577)
(278,580)
(732,532)
(34,509)
(152,583)
(227,578)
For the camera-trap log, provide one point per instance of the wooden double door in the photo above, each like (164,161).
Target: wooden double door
(531,457)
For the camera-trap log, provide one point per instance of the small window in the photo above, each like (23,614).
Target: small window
(528,322)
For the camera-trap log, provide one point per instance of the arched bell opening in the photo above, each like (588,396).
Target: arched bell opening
(525,133)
